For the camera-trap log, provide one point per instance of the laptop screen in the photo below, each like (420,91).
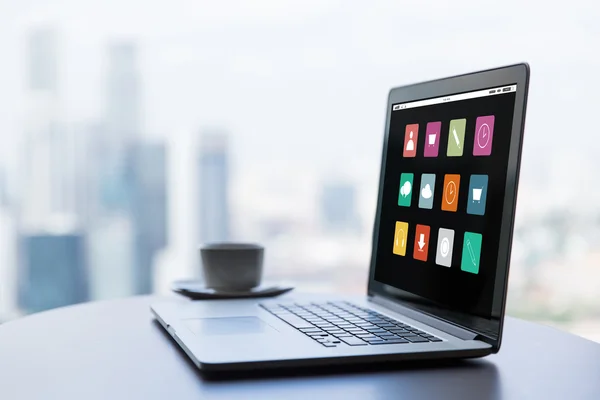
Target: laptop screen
(443,196)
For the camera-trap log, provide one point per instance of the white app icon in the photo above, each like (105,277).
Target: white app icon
(444,247)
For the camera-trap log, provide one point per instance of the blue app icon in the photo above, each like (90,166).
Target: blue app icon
(477,194)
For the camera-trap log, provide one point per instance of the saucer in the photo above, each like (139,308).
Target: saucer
(196,290)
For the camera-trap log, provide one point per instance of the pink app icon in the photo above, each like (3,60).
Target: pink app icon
(432,139)
(484,133)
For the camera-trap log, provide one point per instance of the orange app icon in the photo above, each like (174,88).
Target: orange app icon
(421,243)
(450,197)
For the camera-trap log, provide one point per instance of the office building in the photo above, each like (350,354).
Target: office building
(54,272)
(110,191)
(48,156)
(123,96)
(214,187)
(111,257)
(42,61)
(338,208)
(121,126)
(8,260)
(3,189)
(149,209)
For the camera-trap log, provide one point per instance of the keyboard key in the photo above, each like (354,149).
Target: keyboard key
(340,335)
(366,336)
(376,330)
(296,322)
(329,344)
(376,341)
(318,334)
(356,332)
(397,341)
(310,330)
(406,334)
(367,325)
(416,339)
(388,336)
(353,341)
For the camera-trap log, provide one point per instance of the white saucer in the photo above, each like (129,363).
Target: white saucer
(196,290)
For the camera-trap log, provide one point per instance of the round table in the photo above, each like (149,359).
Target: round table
(115,350)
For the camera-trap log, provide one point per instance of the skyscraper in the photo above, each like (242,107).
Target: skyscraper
(214,187)
(8,255)
(123,96)
(111,257)
(121,125)
(148,179)
(54,272)
(3,189)
(48,181)
(112,237)
(42,61)
(51,247)
(338,207)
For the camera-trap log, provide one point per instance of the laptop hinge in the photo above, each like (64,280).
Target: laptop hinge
(425,319)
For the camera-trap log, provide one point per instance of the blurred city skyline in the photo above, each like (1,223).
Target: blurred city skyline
(297,93)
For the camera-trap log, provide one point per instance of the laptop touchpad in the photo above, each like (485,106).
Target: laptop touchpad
(228,326)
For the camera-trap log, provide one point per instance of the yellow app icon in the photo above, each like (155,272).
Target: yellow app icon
(400,238)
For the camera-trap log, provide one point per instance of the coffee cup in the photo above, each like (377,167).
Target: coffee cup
(232,266)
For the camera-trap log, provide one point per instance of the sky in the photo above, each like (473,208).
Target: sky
(306,82)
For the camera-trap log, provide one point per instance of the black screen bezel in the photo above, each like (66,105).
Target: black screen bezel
(518,74)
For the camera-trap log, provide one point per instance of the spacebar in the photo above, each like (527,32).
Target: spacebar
(295,321)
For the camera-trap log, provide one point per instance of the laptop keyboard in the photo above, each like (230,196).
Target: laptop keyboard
(337,323)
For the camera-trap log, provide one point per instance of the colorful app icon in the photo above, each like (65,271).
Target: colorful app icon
(421,243)
(410,140)
(405,192)
(400,238)
(445,244)
(456,137)
(432,139)
(477,194)
(450,196)
(471,252)
(484,134)
(426,191)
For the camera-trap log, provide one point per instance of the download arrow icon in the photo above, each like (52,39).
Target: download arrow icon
(421,241)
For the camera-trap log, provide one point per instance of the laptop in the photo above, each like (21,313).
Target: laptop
(440,253)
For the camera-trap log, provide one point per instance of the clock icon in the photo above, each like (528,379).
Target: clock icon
(450,192)
(483,135)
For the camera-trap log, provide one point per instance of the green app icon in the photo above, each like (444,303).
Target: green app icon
(471,252)
(406,189)
(456,137)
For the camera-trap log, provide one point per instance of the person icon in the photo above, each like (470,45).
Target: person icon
(411,135)
(410,144)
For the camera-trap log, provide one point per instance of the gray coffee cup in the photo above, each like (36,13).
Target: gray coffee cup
(232,266)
